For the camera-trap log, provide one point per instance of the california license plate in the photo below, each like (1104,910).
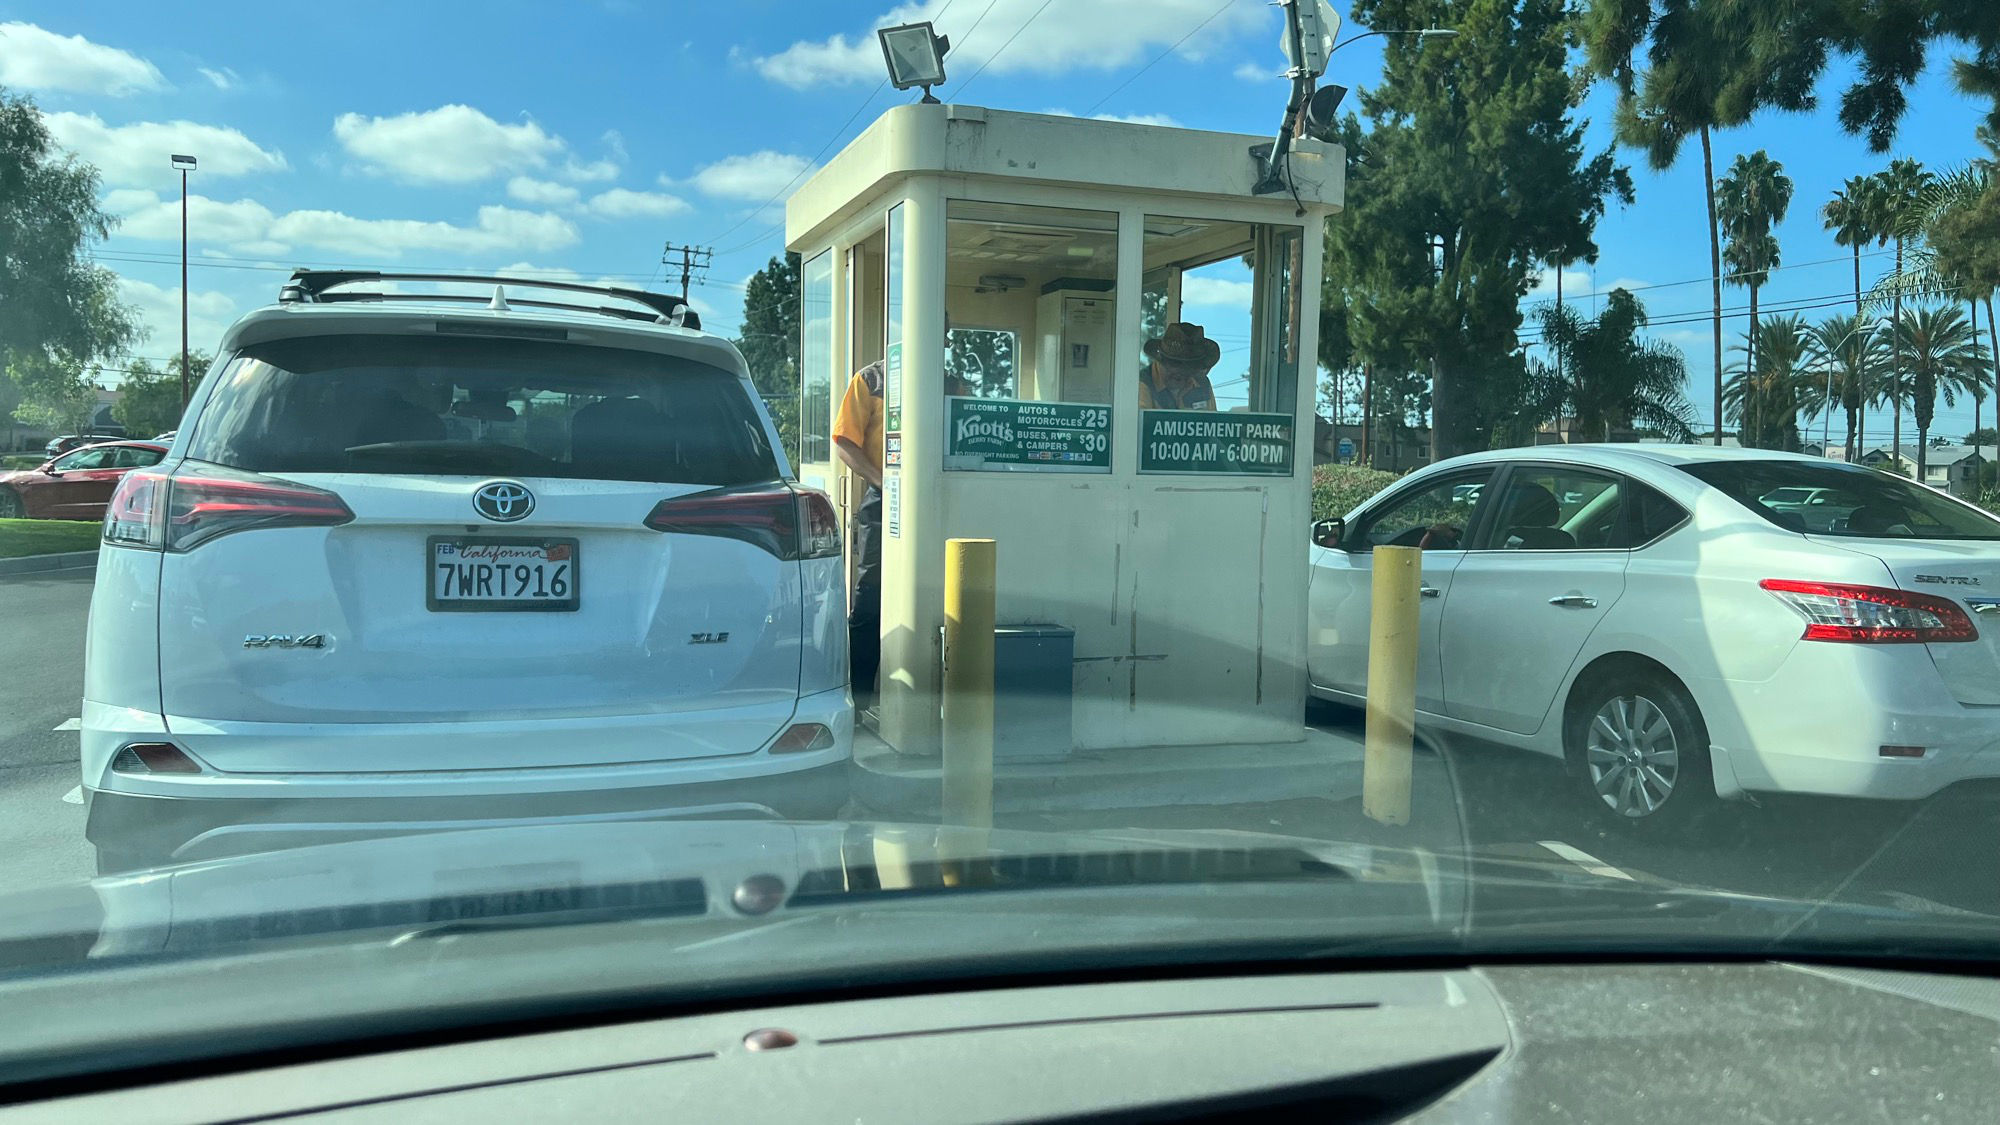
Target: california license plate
(502,574)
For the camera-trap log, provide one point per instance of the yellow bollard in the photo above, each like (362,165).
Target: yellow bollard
(1392,684)
(968,682)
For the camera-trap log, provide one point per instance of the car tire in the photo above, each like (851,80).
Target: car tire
(1638,749)
(11,507)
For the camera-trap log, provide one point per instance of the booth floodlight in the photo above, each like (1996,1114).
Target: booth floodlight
(915,55)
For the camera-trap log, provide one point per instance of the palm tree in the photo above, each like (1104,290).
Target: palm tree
(1944,358)
(1854,217)
(1850,351)
(1902,187)
(1952,255)
(1683,74)
(1763,393)
(1603,374)
(1752,198)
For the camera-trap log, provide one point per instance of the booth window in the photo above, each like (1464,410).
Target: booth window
(816,359)
(1219,335)
(1031,310)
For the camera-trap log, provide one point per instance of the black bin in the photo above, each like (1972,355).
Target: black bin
(1031,691)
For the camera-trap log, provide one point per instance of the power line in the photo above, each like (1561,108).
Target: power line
(832,138)
(1228,4)
(960,92)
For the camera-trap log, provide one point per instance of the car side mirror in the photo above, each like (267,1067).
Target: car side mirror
(49,467)
(1328,533)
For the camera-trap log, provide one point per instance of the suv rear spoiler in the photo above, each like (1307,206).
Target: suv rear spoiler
(315,287)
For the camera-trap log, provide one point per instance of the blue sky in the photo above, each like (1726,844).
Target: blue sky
(579,137)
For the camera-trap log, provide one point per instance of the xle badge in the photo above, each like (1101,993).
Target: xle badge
(707,638)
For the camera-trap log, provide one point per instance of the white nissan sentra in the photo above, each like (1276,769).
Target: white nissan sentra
(417,561)
(1685,623)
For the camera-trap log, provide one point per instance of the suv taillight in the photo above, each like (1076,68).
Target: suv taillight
(179,511)
(1873,615)
(789,523)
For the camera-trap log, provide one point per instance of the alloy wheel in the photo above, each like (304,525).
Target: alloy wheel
(1633,756)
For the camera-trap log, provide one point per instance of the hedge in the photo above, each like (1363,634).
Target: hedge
(1339,489)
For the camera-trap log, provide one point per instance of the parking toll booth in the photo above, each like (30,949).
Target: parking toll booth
(1096,348)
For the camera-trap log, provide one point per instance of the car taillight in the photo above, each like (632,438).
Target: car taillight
(183,510)
(789,524)
(1872,614)
(133,518)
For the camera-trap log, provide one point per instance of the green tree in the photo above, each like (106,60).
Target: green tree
(1985,435)
(1944,359)
(1473,172)
(55,392)
(1604,375)
(1752,198)
(149,402)
(1773,52)
(1852,351)
(1686,69)
(1954,252)
(769,342)
(57,310)
(1902,187)
(1854,215)
(1763,393)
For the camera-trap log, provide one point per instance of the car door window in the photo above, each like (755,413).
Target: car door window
(1558,509)
(135,457)
(1648,515)
(1435,517)
(83,459)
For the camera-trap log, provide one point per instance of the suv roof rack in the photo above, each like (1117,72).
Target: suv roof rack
(314,287)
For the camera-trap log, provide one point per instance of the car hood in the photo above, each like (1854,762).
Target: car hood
(11,476)
(721,869)
(450,931)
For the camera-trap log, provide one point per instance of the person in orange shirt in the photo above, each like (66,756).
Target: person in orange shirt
(857,441)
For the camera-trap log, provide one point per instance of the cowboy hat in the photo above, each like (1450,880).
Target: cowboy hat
(1185,344)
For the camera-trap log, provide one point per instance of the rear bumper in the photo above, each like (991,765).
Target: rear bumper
(147,830)
(159,818)
(1818,726)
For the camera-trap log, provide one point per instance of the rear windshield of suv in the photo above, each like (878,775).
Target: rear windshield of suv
(1844,500)
(471,407)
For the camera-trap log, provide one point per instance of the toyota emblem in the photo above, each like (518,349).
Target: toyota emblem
(503,501)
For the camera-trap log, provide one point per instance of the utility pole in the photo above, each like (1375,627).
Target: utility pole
(185,164)
(691,260)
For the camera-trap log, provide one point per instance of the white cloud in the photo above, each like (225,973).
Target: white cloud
(452,144)
(137,153)
(34,59)
(159,309)
(531,271)
(1216,292)
(248,227)
(755,176)
(1542,286)
(1095,36)
(541,193)
(147,216)
(624,203)
(498,229)
(1127,118)
(1257,72)
(593,172)
(223,79)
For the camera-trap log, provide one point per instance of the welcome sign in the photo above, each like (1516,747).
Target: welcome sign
(1013,435)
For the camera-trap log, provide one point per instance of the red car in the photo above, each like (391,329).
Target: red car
(76,485)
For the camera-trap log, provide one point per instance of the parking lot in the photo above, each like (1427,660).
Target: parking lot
(1488,799)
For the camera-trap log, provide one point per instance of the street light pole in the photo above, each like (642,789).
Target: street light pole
(185,164)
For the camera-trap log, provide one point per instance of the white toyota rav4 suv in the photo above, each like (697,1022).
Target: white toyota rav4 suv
(419,560)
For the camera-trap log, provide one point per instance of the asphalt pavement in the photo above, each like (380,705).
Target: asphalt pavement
(1938,854)
(41,684)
